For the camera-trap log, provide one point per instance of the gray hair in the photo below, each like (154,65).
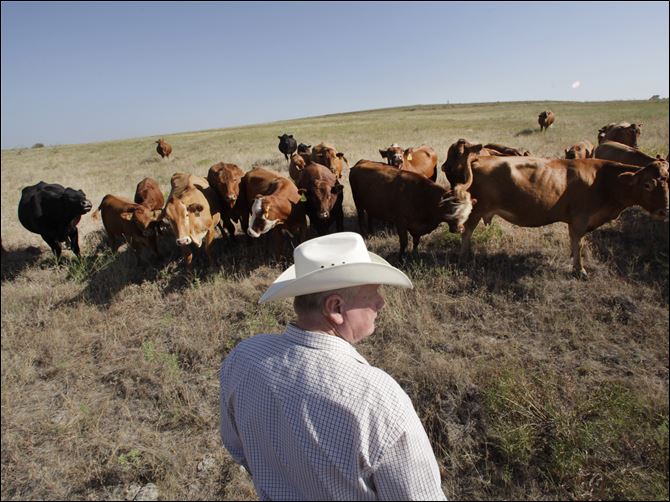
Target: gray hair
(312,302)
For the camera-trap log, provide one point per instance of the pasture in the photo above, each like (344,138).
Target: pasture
(530,383)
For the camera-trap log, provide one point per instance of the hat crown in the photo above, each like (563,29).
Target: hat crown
(329,251)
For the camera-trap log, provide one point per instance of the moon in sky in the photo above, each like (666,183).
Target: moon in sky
(576,84)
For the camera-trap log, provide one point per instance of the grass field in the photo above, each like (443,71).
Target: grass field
(531,384)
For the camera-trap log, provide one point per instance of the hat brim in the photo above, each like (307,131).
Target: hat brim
(378,271)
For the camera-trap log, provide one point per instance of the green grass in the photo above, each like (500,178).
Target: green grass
(531,384)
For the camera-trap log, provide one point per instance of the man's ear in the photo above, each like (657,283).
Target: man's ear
(333,307)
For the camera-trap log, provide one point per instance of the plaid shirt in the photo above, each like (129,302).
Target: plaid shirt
(310,419)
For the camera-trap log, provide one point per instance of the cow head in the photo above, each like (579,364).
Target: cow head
(393,155)
(190,222)
(321,198)
(304,149)
(228,186)
(263,217)
(76,201)
(459,157)
(145,219)
(649,187)
(456,204)
(579,151)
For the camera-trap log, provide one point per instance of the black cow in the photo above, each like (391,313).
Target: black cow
(53,211)
(287,145)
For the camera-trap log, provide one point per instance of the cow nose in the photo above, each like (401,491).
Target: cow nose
(86,205)
(183,241)
(324,214)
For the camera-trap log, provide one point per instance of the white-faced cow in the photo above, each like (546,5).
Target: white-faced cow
(411,202)
(53,211)
(584,193)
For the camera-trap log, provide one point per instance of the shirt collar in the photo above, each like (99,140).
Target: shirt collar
(322,341)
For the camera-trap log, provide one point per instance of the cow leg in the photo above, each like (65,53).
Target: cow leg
(576,233)
(402,234)
(74,241)
(188,256)
(230,228)
(466,236)
(209,238)
(54,245)
(416,238)
(339,219)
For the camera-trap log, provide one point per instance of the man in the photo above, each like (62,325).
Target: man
(303,411)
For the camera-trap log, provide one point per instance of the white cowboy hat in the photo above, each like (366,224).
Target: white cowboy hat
(330,262)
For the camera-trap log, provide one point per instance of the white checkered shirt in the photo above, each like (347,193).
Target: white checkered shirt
(310,419)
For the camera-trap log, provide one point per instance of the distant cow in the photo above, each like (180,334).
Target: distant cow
(324,196)
(124,219)
(163,149)
(581,150)
(193,212)
(225,180)
(621,132)
(411,202)
(584,193)
(287,145)
(545,119)
(53,211)
(421,160)
(272,202)
(618,152)
(328,156)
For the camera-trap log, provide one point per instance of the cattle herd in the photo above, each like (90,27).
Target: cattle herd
(588,188)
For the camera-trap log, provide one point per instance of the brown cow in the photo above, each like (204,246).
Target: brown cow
(225,180)
(584,193)
(148,193)
(271,202)
(163,149)
(328,156)
(545,119)
(581,150)
(624,154)
(296,165)
(623,132)
(411,202)
(193,211)
(421,160)
(123,218)
(505,151)
(324,196)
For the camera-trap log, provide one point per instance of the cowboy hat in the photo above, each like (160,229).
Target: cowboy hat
(330,262)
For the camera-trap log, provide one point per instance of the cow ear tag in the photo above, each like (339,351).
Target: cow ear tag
(303,198)
(409,157)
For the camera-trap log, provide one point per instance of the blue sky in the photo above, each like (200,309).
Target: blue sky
(82,72)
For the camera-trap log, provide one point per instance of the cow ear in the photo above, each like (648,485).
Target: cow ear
(382,153)
(476,148)
(127,215)
(290,136)
(627,178)
(566,152)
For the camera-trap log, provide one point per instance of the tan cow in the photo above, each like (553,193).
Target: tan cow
(225,180)
(622,132)
(421,160)
(618,152)
(581,150)
(163,148)
(124,219)
(193,212)
(545,119)
(411,202)
(324,196)
(584,193)
(296,165)
(272,202)
(328,156)
(148,193)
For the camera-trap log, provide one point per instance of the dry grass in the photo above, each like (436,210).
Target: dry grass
(531,384)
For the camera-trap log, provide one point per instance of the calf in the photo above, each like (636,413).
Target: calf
(225,180)
(324,196)
(53,211)
(408,200)
(193,212)
(421,160)
(124,219)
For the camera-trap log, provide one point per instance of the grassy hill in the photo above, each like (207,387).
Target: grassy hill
(531,384)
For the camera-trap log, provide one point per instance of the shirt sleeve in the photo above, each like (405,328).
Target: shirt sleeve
(407,469)
(228,428)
